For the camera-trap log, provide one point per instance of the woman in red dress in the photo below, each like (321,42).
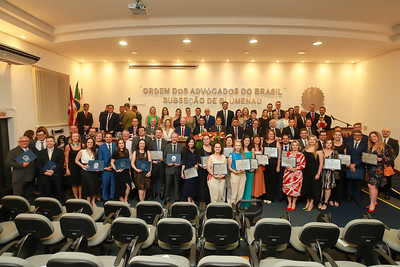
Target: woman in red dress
(293,177)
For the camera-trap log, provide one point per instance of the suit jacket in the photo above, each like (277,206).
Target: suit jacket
(214,129)
(32,146)
(355,155)
(130,129)
(210,122)
(394,144)
(150,131)
(250,132)
(302,145)
(136,139)
(328,121)
(281,111)
(232,132)
(19,173)
(187,132)
(313,131)
(316,118)
(364,139)
(104,153)
(300,123)
(196,121)
(168,150)
(82,120)
(153,145)
(287,131)
(42,159)
(113,124)
(320,145)
(277,132)
(230,117)
(196,129)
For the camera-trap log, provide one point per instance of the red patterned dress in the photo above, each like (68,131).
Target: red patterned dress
(292,181)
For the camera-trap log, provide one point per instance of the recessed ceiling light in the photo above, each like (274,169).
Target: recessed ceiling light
(105,60)
(134,52)
(202,60)
(327,61)
(178,60)
(153,60)
(301,52)
(82,60)
(227,60)
(123,43)
(129,60)
(317,43)
(186,41)
(253,41)
(352,61)
(302,61)
(252,60)
(23,37)
(246,52)
(277,61)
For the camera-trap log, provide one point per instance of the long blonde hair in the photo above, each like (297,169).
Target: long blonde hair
(380,144)
(315,146)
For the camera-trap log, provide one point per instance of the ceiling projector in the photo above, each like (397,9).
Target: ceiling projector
(138,9)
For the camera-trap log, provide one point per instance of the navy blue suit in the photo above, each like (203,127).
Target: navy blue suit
(187,131)
(354,179)
(107,177)
(210,122)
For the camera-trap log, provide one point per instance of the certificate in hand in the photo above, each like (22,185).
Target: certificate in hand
(204,161)
(27,156)
(143,165)
(156,155)
(346,159)
(190,173)
(369,158)
(332,164)
(220,169)
(262,159)
(242,164)
(122,164)
(227,151)
(271,151)
(174,158)
(96,165)
(50,165)
(253,164)
(289,162)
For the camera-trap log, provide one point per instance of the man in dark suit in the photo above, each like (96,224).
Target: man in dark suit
(84,119)
(201,127)
(270,111)
(301,121)
(183,130)
(254,130)
(281,113)
(51,180)
(158,170)
(236,131)
(291,131)
(151,129)
(39,143)
(322,139)
(107,177)
(297,116)
(357,127)
(142,135)
(134,128)
(197,116)
(172,171)
(355,172)
(395,145)
(110,121)
(303,139)
(272,126)
(218,127)
(226,115)
(328,119)
(23,174)
(314,116)
(210,119)
(310,129)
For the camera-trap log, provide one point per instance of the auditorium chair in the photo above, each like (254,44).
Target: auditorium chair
(16,262)
(50,207)
(150,211)
(223,261)
(253,213)
(80,259)
(392,238)
(8,232)
(287,263)
(115,209)
(269,234)
(13,205)
(219,211)
(176,235)
(186,210)
(82,231)
(160,261)
(84,206)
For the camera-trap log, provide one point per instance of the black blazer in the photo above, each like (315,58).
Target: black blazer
(230,117)
(82,120)
(313,131)
(232,132)
(316,118)
(210,122)
(214,129)
(300,123)
(287,131)
(42,159)
(302,145)
(152,146)
(196,129)
(136,139)
(394,144)
(113,124)
(250,132)
(328,121)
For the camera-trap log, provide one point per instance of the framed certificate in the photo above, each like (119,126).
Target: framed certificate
(123,164)
(332,164)
(50,165)
(174,158)
(27,156)
(346,159)
(271,151)
(369,158)
(220,169)
(156,155)
(204,161)
(262,159)
(253,164)
(96,165)
(227,151)
(143,165)
(242,164)
(190,173)
(289,162)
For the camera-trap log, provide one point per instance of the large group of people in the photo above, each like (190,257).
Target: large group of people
(292,133)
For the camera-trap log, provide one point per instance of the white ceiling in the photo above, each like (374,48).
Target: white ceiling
(220,29)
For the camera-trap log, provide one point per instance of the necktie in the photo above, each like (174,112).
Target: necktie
(356,145)
(201,129)
(85,114)
(286,148)
(158,145)
(207,119)
(109,148)
(42,144)
(304,120)
(305,142)
(254,131)
(219,129)
(108,119)
(279,113)
(269,115)
(292,131)
(309,131)
(183,131)
(173,148)
(134,130)
(312,116)
(236,133)
(50,153)
(226,118)
(385,140)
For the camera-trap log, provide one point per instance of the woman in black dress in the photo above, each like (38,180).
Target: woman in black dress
(122,177)
(189,161)
(142,179)
(271,174)
(205,151)
(337,192)
(311,188)
(72,169)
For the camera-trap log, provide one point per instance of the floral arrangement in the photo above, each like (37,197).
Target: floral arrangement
(214,138)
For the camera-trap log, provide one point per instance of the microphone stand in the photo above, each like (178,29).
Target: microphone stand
(336,119)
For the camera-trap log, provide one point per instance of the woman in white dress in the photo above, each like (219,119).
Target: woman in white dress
(168,130)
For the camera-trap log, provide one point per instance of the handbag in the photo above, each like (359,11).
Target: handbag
(388,171)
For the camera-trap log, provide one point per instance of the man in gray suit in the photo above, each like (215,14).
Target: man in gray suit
(158,171)
(172,171)
(23,173)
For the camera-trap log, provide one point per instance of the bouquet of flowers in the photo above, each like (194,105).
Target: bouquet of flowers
(214,138)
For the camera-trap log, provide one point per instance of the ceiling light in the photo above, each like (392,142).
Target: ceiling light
(352,61)
(82,60)
(129,60)
(134,52)
(153,60)
(252,60)
(302,61)
(301,52)
(202,60)
(124,43)
(253,41)
(105,61)
(277,61)
(178,60)
(23,37)
(186,41)
(317,43)
(227,60)
(327,61)
(246,52)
